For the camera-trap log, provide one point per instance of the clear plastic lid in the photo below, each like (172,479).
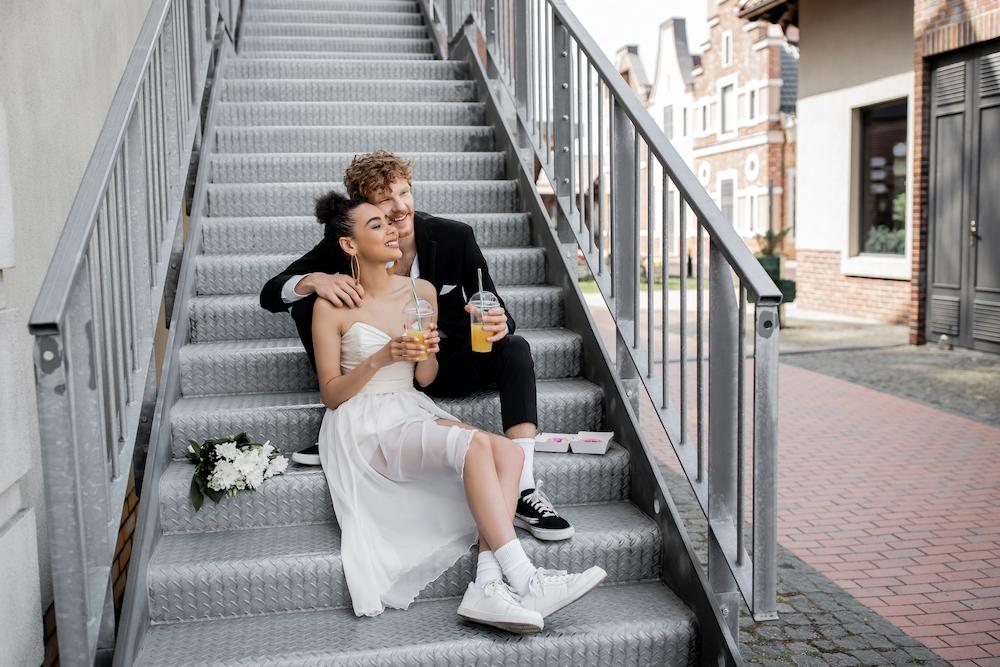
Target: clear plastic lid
(485,300)
(421,310)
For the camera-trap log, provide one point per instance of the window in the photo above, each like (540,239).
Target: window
(684,122)
(713,116)
(668,121)
(704,118)
(882,199)
(728,105)
(752,104)
(727,49)
(726,198)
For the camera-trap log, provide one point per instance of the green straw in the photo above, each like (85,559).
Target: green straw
(416,303)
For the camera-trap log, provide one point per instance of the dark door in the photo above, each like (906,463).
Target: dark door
(963,286)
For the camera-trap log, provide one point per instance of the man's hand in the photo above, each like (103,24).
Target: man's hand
(495,320)
(338,289)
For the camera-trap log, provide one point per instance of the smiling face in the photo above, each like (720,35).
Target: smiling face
(373,239)
(396,203)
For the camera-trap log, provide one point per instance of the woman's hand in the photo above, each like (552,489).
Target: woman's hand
(400,348)
(432,338)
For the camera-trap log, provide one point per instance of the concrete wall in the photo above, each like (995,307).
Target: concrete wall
(853,53)
(60,64)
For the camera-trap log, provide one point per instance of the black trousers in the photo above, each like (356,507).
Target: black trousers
(508,366)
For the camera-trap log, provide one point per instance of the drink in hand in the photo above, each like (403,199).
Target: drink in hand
(414,332)
(479,338)
(481,303)
(417,317)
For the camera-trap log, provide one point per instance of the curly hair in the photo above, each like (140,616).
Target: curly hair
(333,211)
(373,173)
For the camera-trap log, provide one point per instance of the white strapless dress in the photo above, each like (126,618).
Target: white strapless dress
(395,477)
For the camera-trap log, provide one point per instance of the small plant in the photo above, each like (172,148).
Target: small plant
(769,242)
(881,239)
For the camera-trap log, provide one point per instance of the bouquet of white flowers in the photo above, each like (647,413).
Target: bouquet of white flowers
(226,465)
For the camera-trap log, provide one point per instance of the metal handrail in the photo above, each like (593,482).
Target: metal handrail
(95,317)
(550,67)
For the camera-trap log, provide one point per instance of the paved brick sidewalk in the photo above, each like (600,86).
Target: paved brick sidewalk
(892,500)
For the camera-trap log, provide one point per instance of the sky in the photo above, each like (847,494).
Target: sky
(615,24)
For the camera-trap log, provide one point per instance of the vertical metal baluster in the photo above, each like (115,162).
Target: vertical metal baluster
(765,461)
(682,224)
(161,160)
(590,160)
(536,60)
(740,391)
(602,191)
(107,329)
(700,343)
(549,120)
(99,340)
(636,226)
(613,193)
(128,288)
(650,312)
(665,273)
(117,314)
(147,130)
(580,207)
(573,108)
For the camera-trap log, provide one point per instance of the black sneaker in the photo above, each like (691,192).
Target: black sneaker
(536,515)
(307,457)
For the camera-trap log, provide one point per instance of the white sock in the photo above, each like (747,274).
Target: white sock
(528,470)
(487,569)
(515,565)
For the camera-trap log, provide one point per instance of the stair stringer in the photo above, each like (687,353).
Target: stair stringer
(681,569)
(135,616)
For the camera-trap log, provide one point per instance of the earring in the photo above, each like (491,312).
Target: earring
(355,268)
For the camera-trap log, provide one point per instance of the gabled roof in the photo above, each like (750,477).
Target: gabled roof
(782,12)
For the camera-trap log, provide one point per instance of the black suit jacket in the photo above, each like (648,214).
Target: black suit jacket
(448,256)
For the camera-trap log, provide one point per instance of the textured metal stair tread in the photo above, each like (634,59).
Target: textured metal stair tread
(281,364)
(406,6)
(252,43)
(346,55)
(289,234)
(372,29)
(342,66)
(304,114)
(246,274)
(345,90)
(301,496)
(300,568)
(443,197)
(325,139)
(641,623)
(239,316)
(291,420)
(335,16)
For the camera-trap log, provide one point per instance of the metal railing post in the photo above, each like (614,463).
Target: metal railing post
(765,464)
(624,237)
(449,24)
(722,397)
(521,55)
(491,25)
(561,112)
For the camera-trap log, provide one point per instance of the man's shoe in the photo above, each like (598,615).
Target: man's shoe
(536,515)
(497,605)
(551,590)
(307,457)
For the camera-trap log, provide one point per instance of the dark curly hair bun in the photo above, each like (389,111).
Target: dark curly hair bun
(333,211)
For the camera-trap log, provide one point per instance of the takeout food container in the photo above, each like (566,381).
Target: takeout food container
(591,442)
(557,443)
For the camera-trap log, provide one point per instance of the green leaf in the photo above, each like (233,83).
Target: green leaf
(197,498)
(216,496)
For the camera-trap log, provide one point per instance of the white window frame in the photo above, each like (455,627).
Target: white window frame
(728,175)
(720,84)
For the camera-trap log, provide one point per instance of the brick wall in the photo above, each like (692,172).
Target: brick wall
(821,286)
(119,570)
(939,26)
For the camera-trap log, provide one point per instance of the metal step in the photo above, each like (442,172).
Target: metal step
(281,364)
(315,68)
(327,167)
(312,139)
(292,234)
(405,6)
(320,56)
(351,113)
(246,274)
(257,43)
(240,317)
(442,197)
(374,30)
(291,421)
(240,573)
(632,624)
(347,90)
(253,16)
(301,496)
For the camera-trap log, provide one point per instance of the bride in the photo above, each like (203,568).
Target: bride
(412,487)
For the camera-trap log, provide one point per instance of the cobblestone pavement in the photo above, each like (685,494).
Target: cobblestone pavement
(889,511)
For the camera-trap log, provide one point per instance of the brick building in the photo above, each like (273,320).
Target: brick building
(742,121)
(899,156)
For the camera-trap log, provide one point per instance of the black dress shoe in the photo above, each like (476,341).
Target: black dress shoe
(307,457)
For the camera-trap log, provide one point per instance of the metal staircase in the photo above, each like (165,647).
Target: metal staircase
(258,579)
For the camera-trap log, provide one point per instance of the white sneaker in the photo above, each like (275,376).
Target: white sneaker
(551,590)
(497,605)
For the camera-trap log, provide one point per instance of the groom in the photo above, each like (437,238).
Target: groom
(443,252)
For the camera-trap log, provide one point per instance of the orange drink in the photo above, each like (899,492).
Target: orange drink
(419,335)
(481,303)
(416,317)
(479,338)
